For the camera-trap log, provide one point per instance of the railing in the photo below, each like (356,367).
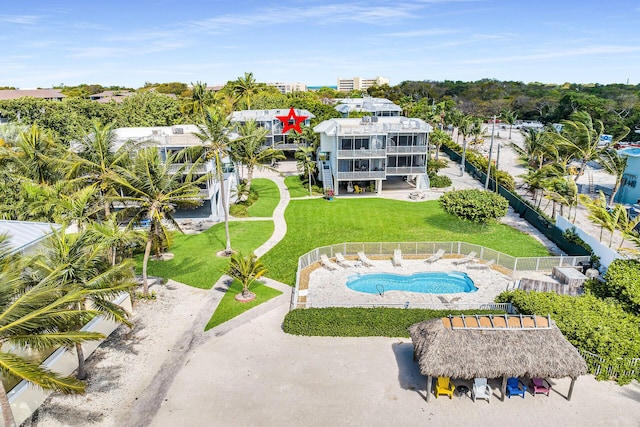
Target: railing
(361,176)
(406,170)
(598,366)
(506,307)
(424,248)
(420,149)
(201,169)
(362,153)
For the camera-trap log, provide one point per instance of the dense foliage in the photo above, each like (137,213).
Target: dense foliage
(589,323)
(622,282)
(474,205)
(362,322)
(439,181)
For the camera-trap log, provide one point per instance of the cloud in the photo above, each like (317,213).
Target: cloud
(20,19)
(420,33)
(551,54)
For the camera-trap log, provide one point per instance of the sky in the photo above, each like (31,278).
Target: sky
(128,43)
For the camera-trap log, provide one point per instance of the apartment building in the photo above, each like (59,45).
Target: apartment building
(380,107)
(360,83)
(289,87)
(268,119)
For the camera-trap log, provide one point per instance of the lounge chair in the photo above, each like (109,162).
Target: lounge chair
(433,258)
(465,260)
(540,385)
(341,260)
(446,301)
(444,386)
(326,262)
(513,387)
(482,265)
(397,258)
(364,260)
(481,390)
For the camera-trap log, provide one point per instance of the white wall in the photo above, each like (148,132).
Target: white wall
(25,398)
(606,254)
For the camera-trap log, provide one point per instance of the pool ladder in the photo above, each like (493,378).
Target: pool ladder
(380,289)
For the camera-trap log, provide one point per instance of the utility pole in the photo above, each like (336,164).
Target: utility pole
(493,128)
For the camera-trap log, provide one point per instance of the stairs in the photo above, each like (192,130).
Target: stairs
(327,178)
(423,182)
(592,188)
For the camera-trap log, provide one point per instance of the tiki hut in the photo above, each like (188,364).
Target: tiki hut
(494,346)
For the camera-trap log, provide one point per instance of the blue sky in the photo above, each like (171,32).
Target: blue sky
(314,42)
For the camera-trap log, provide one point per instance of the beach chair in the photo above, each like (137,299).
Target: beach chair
(513,387)
(481,390)
(464,260)
(326,262)
(540,385)
(482,265)
(444,386)
(433,258)
(397,258)
(364,259)
(341,260)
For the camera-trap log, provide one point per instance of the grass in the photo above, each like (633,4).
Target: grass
(268,199)
(195,262)
(295,187)
(317,222)
(230,308)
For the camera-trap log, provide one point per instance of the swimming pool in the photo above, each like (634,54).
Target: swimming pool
(427,282)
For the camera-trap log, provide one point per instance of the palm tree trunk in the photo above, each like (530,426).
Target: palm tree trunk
(510,126)
(7,413)
(107,209)
(614,191)
(113,256)
(145,261)
(249,178)
(223,199)
(82,374)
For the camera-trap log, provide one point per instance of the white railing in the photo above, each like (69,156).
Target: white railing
(362,154)
(597,365)
(187,167)
(506,307)
(419,149)
(406,170)
(360,176)
(426,248)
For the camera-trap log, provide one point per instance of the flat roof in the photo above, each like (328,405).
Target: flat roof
(23,234)
(375,125)
(266,115)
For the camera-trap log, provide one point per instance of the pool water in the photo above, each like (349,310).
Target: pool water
(428,282)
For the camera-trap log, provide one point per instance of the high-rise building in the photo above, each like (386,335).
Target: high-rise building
(289,87)
(359,83)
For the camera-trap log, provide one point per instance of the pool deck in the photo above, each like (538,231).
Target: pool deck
(328,288)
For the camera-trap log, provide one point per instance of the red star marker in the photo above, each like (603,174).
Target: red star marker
(296,121)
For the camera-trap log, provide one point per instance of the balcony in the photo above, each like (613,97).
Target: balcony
(362,154)
(410,149)
(406,170)
(361,175)
(200,169)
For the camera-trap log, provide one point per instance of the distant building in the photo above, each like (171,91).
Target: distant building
(359,83)
(267,119)
(48,94)
(629,192)
(111,96)
(289,87)
(380,107)
(171,139)
(366,151)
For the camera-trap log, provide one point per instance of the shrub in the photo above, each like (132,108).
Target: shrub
(590,324)
(362,322)
(439,181)
(622,282)
(433,166)
(474,205)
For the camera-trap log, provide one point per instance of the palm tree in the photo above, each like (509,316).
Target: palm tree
(245,88)
(96,158)
(36,155)
(35,318)
(215,136)
(464,128)
(306,164)
(201,97)
(246,270)
(509,118)
(615,164)
(249,149)
(437,137)
(537,148)
(153,189)
(477,131)
(73,262)
(626,225)
(597,208)
(113,237)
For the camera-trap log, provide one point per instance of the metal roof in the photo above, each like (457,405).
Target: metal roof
(23,234)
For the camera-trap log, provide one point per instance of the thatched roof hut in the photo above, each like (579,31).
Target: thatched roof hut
(495,346)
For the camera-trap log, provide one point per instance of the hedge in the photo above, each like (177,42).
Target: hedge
(474,205)
(622,282)
(363,322)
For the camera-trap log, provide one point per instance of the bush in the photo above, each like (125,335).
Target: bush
(622,282)
(433,166)
(439,181)
(362,322)
(474,205)
(590,324)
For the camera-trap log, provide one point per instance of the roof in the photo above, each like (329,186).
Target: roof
(111,95)
(266,115)
(372,126)
(535,348)
(35,93)
(366,104)
(23,234)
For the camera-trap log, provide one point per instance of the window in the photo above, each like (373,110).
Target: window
(629,180)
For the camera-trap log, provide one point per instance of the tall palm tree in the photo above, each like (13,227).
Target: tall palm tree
(113,237)
(245,88)
(36,155)
(437,138)
(201,97)
(249,149)
(597,208)
(216,139)
(509,118)
(306,164)
(626,225)
(616,165)
(152,190)
(246,270)
(464,128)
(538,148)
(74,262)
(477,131)
(35,318)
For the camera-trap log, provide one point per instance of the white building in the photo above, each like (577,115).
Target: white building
(360,83)
(171,139)
(26,237)
(380,107)
(268,119)
(367,151)
(289,87)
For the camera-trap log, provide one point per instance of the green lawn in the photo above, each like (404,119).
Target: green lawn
(296,189)
(195,262)
(269,196)
(230,308)
(318,222)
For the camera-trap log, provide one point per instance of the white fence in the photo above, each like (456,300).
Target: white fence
(425,248)
(607,255)
(25,398)
(597,366)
